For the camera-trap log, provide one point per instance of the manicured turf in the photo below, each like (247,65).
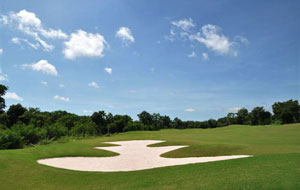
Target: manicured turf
(275,165)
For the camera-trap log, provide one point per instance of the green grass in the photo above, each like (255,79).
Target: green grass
(275,165)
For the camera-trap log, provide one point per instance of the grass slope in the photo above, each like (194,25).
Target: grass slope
(275,165)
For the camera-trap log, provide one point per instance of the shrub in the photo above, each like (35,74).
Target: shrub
(55,131)
(83,129)
(10,139)
(29,133)
(134,126)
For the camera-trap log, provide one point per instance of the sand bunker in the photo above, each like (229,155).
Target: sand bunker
(134,155)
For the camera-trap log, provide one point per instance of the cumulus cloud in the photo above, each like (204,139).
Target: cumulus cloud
(213,39)
(209,35)
(61,98)
(28,23)
(125,35)
(233,109)
(205,56)
(42,66)
(13,96)
(193,54)
(4,77)
(190,110)
(83,44)
(184,24)
(1,51)
(93,84)
(108,70)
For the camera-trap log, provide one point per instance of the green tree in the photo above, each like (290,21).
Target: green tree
(145,118)
(14,113)
(241,116)
(258,116)
(178,123)
(100,119)
(3,89)
(287,112)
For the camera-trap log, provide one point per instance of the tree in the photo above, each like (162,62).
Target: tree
(100,119)
(14,113)
(231,119)
(165,121)
(258,116)
(177,123)
(287,112)
(212,123)
(3,89)
(242,115)
(145,118)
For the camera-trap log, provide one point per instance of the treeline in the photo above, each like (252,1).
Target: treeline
(20,126)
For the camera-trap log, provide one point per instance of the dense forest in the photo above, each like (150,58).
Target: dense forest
(20,126)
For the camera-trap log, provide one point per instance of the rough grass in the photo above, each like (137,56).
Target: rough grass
(275,165)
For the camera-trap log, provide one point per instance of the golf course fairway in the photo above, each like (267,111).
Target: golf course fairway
(275,163)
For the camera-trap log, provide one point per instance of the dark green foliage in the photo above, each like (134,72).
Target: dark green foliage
(145,118)
(2,101)
(178,124)
(3,121)
(222,122)
(55,131)
(10,139)
(100,119)
(287,112)
(242,115)
(20,126)
(134,126)
(84,129)
(30,134)
(258,116)
(14,113)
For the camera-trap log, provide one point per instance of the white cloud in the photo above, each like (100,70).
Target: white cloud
(4,77)
(61,85)
(211,37)
(85,44)
(108,70)
(28,23)
(61,98)
(190,110)
(13,96)
(242,39)
(93,84)
(44,83)
(125,35)
(184,24)
(16,40)
(42,66)
(233,110)
(1,51)
(193,54)
(205,56)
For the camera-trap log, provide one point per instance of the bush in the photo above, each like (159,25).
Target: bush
(29,133)
(10,139)
(134,126)
(83,129)
(55,131)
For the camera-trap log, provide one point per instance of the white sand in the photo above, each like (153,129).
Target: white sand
(134,155)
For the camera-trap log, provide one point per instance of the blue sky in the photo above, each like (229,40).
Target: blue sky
(190,59)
